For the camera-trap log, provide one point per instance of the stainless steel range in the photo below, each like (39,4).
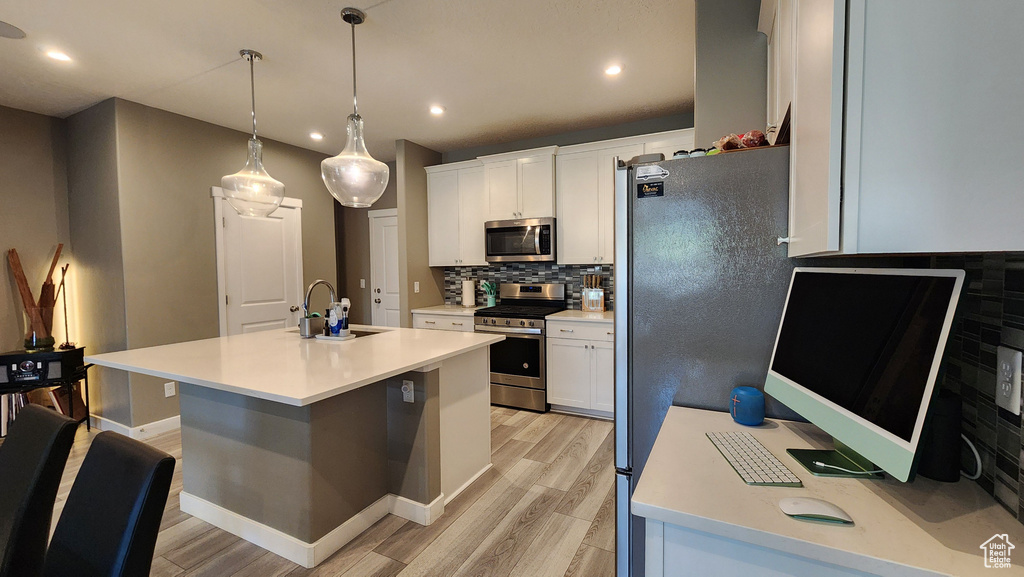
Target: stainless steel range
(518,370)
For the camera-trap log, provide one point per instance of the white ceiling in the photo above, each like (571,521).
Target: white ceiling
(505,69)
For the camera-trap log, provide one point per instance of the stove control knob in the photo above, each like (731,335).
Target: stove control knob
(531,323)
(494,321)
(508,322)
(523,323)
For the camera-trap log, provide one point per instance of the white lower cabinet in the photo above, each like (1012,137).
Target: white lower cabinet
(581,365)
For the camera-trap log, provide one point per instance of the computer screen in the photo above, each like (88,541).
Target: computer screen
(858,352)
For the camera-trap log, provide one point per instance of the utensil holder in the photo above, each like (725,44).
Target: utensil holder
(593,300)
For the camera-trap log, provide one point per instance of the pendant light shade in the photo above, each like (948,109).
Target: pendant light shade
(353,177)
(252,191)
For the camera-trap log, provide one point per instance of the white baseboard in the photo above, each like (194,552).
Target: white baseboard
(455,493)
(142,432)
(415,511)
(310,554)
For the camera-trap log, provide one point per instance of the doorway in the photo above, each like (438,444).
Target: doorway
(384,286)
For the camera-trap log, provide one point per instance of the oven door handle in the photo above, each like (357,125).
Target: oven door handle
(514,331)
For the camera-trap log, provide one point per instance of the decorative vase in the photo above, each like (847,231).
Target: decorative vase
(38,329)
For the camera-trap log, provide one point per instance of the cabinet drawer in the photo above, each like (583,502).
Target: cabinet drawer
(590,331)
(443,322)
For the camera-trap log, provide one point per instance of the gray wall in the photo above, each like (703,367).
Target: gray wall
(413,257)
(635,128)
(731,73)
(96,234)
(157,170)
(34,213)
(353,232)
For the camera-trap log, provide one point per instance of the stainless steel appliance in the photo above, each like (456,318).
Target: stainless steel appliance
(700,284)
(520,240)
(518,368)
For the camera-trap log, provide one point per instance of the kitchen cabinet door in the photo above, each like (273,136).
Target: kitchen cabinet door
(780,64)
(579,211)
(443,218)
(472,214)
(603,387)
(537,186)
(817,127)
(568,373)
(681,140)
(606,197)
(502,183)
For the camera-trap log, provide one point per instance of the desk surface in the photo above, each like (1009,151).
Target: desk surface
(924,524)
(280,366)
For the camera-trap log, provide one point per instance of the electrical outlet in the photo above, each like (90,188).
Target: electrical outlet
(416,287)
(1008,362)
(408,392)
(169,389)
(362,283)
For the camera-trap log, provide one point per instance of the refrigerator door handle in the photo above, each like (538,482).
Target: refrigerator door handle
(623,526)
(622,201)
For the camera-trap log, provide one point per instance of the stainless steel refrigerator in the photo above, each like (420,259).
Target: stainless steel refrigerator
(700,282)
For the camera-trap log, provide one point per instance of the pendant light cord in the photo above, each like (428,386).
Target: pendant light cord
(252,87)
(355,101)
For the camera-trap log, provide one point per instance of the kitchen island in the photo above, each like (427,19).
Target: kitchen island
(299,445)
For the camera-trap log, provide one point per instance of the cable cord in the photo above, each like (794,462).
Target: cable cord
(977,460)
(851,471)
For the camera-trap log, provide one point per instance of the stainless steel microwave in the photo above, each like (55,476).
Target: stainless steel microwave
(520,240)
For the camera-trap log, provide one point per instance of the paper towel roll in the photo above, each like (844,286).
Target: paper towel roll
(468,293)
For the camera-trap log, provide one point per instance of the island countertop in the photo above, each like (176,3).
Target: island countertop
(280,366)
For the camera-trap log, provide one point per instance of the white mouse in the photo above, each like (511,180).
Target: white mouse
(807,508)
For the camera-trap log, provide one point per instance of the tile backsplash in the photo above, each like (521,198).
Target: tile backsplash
(991,313)
(571,275)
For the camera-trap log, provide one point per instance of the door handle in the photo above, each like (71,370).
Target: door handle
(376,301)
(378,291)
(294,309)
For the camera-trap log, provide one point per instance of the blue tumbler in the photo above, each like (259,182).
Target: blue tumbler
(746,405)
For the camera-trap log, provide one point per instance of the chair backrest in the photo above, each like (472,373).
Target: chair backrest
(112,516)
(32,460)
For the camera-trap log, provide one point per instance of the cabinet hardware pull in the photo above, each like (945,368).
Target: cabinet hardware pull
(782,239)
(610,332)
(566,330)
(457,324)
(430,322)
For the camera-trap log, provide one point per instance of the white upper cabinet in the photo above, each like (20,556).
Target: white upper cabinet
(455,214)
(520,184)
(668,143)
(586,202)
(924,156)
(777,21)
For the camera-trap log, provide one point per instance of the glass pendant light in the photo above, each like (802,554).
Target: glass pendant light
(251,191)
(354,177)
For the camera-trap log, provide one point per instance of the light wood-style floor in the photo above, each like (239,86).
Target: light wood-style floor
(546,508)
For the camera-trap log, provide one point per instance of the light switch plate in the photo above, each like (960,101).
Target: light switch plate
(416,287)
(362,283)
(1008,362)
(408,392)
(169,389)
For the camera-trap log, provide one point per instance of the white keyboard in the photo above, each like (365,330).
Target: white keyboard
(755,464)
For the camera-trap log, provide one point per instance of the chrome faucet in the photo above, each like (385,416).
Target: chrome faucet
(305,303)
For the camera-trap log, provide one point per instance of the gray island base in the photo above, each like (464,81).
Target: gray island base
(302,477)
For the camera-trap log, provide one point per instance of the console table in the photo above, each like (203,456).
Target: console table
(703,520)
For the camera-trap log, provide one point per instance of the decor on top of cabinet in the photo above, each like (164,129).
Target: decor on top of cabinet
(750,139)
(353,177)
(38,314)
(252,191)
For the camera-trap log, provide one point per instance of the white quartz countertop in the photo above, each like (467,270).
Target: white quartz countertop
(574,315)
(453,310)
(897,526)
(280,366)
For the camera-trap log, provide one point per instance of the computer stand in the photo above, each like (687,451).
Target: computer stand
(840,462)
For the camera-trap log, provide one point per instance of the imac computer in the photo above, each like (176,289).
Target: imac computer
(858,354)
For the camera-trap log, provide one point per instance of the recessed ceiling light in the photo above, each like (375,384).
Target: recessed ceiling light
(437,110)
(316,136)
(11,31)
(613,70)
(58,55)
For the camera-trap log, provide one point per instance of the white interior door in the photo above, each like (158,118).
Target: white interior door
(259,262)
(384,267)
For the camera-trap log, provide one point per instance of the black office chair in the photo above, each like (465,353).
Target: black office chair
(32,460)
(111,519)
